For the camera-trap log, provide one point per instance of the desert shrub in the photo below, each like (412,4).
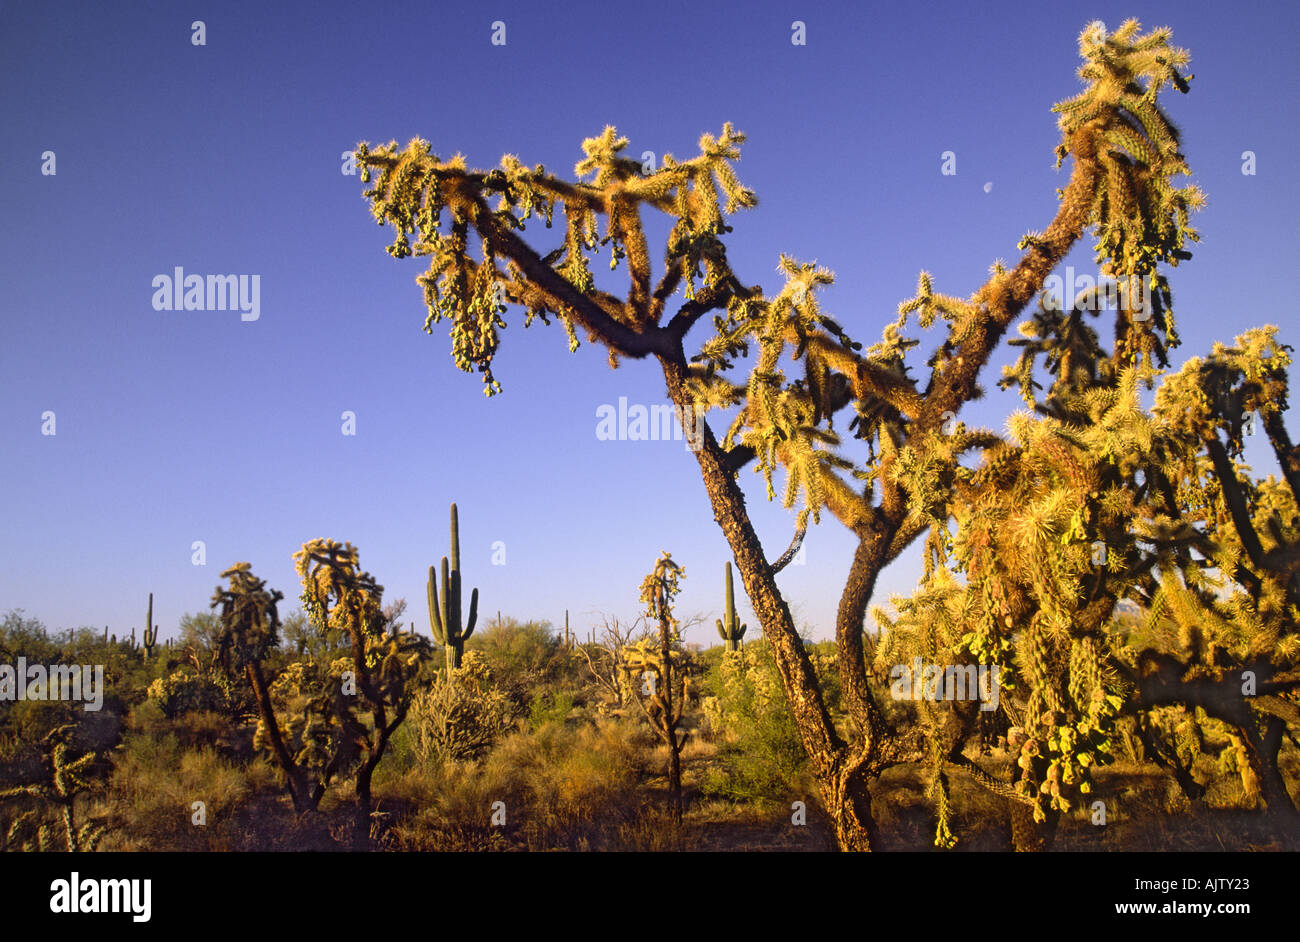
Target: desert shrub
(183,691)
(552,707)
(561,787)
(210,729)
(762,757)
(569,774)
(400,756)
(460,716)
(520,655)
(155,783)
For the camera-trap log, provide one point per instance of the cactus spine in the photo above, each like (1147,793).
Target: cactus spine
(150,631)
(445,614)
(730,629)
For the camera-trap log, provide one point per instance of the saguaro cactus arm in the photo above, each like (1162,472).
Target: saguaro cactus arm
(435,611)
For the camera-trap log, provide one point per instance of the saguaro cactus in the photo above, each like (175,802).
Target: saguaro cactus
(445,616)
(730,629)
(150,631)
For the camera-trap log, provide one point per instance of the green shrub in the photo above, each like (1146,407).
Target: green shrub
(549,708)
(761,754)
(183,691)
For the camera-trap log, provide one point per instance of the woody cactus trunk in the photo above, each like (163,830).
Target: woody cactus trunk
(730,629)
(445,612)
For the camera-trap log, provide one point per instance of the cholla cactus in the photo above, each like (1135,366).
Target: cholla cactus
(644,659)
(744,678)
(1125,154)
(250,623)
(460,715)
(63,779)
(664,664)
(183,690)
(338,594)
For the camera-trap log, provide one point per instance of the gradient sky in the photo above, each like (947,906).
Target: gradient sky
(177,426)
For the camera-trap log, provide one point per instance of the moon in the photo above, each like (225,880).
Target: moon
(988,187)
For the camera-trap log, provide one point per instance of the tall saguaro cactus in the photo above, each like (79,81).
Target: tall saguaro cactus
(150,631)
(445,614)
(730,629)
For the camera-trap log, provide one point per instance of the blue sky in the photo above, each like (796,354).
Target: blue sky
(178,426)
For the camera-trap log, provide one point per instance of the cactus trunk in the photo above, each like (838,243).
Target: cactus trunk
(445,612)
(150,631)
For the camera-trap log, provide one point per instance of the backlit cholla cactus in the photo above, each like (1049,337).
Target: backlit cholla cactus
(747,680)
(250,624)
(63,779)
(661,669)
(1126,159)
(306,694)
(373,693)
(183,690)
(461,715)
(322,720)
